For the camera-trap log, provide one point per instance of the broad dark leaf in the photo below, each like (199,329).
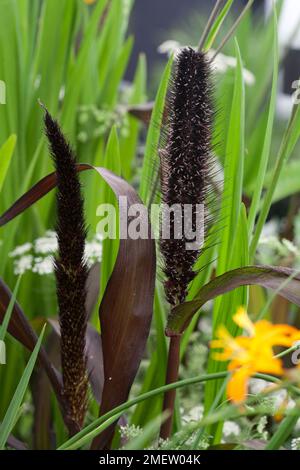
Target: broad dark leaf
(125,313)
(20,328)
(269,277)
(95,362)
(38,191)
(43,437)
(92,288)
(127,306)
(225,446)
(255,444)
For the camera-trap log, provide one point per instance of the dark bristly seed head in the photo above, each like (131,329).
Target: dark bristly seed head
(70,272)
(185,161)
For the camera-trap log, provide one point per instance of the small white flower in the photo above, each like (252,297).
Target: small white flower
(46,244)
(169,47)
(20,250)
(258,385)
(295,444)
(231,429)
(280,398)
(224,62)
(43,265)
(271,228)
(38,256)
(195,414)
(261,428)
(130,431)
(23,264)
(93,251)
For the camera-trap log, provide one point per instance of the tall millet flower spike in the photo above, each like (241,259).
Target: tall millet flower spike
(185,162)
(71,273)
(185,167)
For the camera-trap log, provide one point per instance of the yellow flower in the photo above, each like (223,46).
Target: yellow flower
(89,2)
(252,353)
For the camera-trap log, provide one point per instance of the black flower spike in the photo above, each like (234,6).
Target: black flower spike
(186,163)
(71,273)
(185,167)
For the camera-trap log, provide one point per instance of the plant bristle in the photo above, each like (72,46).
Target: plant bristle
(186,162)
(71,272)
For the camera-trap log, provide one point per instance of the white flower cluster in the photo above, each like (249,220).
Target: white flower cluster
(280,398)
(295,444)
(130,431)
(231,429)
(37,257)
(272,247)
(261,428)
(194,415)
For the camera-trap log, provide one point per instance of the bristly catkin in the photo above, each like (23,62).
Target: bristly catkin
(185,161)
(71,273)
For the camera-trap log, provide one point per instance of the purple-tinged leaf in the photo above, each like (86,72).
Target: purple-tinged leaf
(223,446)
(15,443)
(254,444)
(20,328)
(125,312)
(127,305)
(43,437)
(92,288)
(270,277)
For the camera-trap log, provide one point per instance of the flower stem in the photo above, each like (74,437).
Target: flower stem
(171,376)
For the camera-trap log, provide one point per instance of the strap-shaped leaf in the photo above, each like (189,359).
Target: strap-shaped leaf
(127,306)
(270,277)
(20,328)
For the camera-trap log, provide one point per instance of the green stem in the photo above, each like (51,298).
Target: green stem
(287,351)
(283,432)
(101,423)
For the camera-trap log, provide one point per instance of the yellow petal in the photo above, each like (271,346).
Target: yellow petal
(274,335)
(268,365)
(237,386)
(225,340)
(243,321)
(296,336)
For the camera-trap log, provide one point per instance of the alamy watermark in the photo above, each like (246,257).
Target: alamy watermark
(296,94)
(295,358)
(183,222)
